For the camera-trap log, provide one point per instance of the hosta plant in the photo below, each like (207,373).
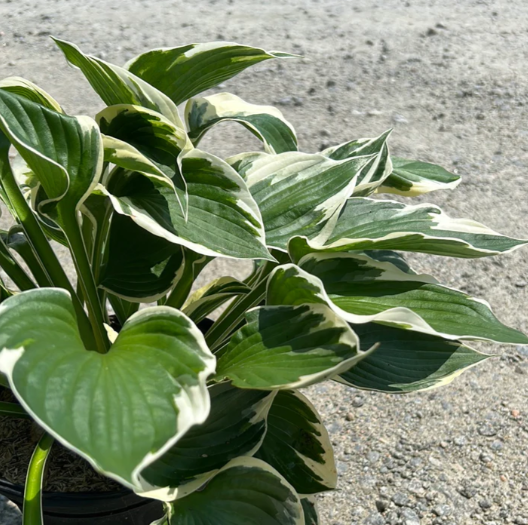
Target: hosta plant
(211,417)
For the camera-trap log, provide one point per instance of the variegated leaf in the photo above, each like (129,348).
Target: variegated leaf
(208,298)
(64,153)
(235,427)
(361,290)
(265,122)
(311,516)
(116,85)
(380,169)
(407,361)
(246,491)
(25,88)
(223,218)
(182,72)
(297,444)
(413,177)
(142,140)
(284,347)
(367,224)
(125,407)
(300,193)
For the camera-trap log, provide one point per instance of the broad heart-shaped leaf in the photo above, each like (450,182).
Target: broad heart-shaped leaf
(407,361)
(25,88)
(413,177)
(367,224)
(65,153)
(265,122)
(120,410)
(297,444)
(235,427)
(141,267)
(284,347)
(116,85)
(311,517)
(208,298)
(360,289)
(247,491)
(142,140)
(223,219)
(381,168)
(182,72)
(300,193)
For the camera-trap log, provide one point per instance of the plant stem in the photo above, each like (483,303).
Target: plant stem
(232,317)
(72,230)
(32,514)
(48,258)
(14,270)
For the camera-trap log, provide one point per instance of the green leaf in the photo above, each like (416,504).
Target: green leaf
(380,169)
(265,122)
(139,139)
(120,410)
(297,444)
(116,85)
(223,218)
(360,289)
(367,224)
(311,517)
(235,427)
(283,347)
(247,491)
(413,177)
(25,88)
(182,72)
(141,267)
(208,298)
(300,193)
(65,153)
(407,361)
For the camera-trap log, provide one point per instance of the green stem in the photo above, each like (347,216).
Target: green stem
(73,233)
(234,315)
(48,258)
(13,410)
(14,270)
(32,514)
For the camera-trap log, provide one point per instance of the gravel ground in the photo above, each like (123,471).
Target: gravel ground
(450,77)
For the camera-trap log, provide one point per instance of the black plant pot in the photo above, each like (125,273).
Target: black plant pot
(90,508)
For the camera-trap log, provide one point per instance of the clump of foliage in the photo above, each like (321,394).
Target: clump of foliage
(209,417)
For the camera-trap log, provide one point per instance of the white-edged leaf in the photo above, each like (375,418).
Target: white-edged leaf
(223,218)
(367,224)
(413,177)
(407,361)
(116,85)
(297,444)
(300,193)
(184,71)
(246,491)
(64,153)
(266,122)
(381,167)
(284,347)
(360,290)
(208,298)
(120,410)
(24,88)
(235,427)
